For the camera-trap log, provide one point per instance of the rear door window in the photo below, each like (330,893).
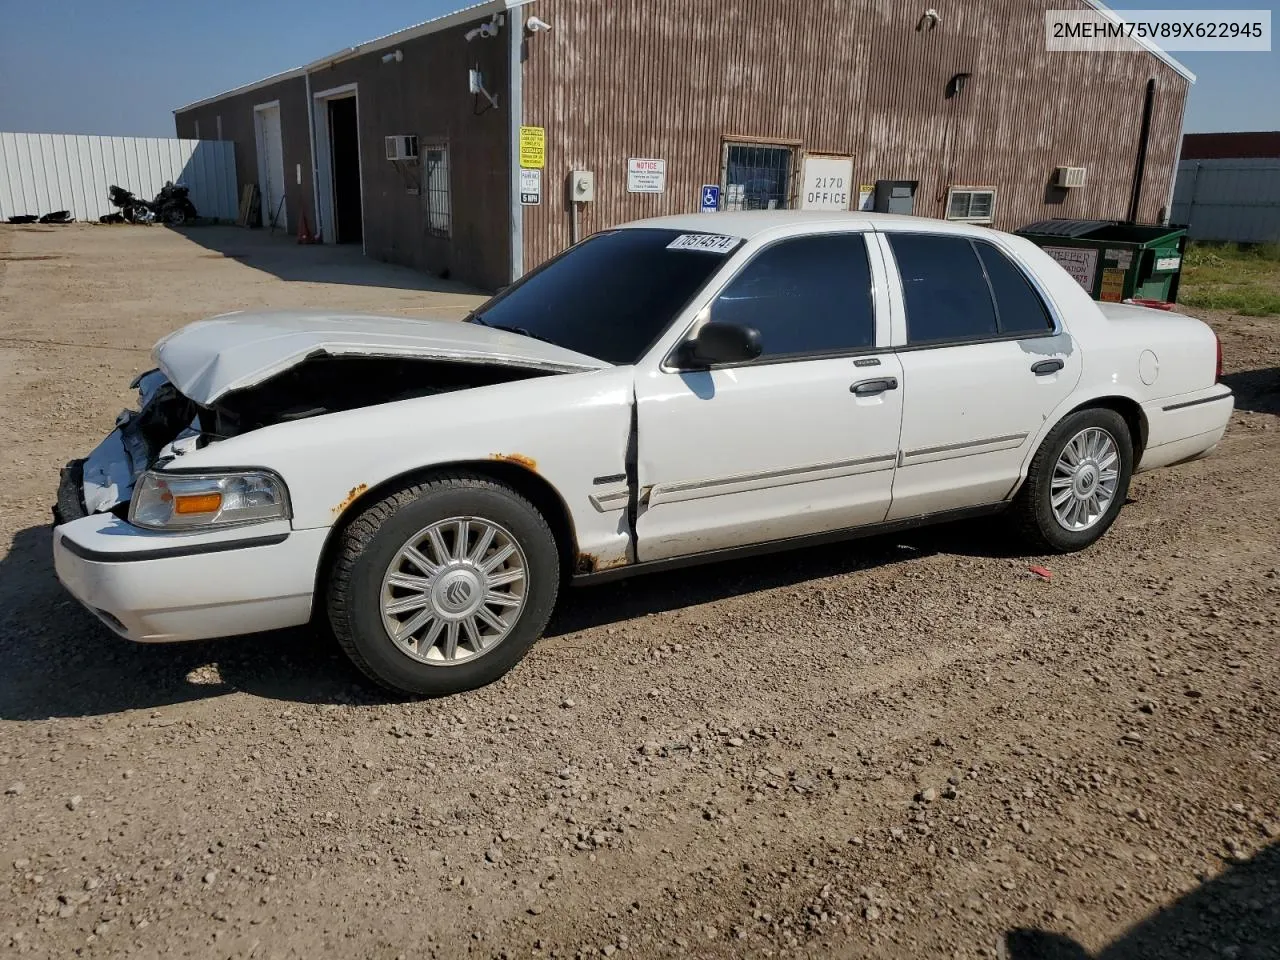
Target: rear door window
(1018,305)
(806,296)
(945,289)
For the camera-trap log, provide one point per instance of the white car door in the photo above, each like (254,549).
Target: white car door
(801,440)
(984,363)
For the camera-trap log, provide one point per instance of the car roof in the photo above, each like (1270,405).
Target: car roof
(748,224)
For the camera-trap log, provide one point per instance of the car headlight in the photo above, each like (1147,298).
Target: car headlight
(177,501)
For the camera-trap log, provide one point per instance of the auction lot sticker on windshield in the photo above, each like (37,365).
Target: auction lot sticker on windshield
(706,242)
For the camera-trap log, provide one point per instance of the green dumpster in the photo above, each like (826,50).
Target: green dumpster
(1113,260)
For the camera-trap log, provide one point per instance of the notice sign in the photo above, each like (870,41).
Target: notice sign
(866,196)
(1082,264)
(826,183)
(530,187)
(1112,285)
(646,176)
(533,147)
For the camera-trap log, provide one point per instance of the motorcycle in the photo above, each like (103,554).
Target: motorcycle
(172,205)
(132,209)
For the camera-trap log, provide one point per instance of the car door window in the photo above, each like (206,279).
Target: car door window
(1018,306)
(947,296)
(806,296)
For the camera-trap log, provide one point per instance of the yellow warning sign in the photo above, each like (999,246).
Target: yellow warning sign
(533,148)
(1112,286)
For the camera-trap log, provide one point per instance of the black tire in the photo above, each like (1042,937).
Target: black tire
(175,216)
(371,542)
(1033,509)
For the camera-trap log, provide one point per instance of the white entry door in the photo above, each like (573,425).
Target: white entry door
(270,164)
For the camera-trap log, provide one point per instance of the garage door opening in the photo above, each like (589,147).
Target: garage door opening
(344,146)
(339,180)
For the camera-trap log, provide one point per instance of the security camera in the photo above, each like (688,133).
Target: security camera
(536,25)
(489,29)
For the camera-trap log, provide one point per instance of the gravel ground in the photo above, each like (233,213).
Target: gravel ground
(908,747)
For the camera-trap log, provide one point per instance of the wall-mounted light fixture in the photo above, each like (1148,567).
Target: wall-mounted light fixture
(929,19)
(955,86)
(395,56)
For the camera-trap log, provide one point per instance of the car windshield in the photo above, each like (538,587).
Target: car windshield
(612,295)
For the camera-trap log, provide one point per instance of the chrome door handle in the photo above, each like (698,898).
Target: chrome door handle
(1046,367)
(871,388)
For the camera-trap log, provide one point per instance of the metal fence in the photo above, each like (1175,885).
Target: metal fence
(43,172)
(1229,200)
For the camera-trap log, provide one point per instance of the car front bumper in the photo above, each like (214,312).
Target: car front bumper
(161,587)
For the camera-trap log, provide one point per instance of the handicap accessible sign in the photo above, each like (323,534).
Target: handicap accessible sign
(710,198)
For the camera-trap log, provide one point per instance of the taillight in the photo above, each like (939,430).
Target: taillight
(1217,377)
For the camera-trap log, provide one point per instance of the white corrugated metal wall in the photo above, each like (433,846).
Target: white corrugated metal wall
(1229,200)
(44,172)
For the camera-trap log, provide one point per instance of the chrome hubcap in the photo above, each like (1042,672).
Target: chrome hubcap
(1085,479)
(454,591)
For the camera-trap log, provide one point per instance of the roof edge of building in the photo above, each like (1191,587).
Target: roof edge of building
(1152,48)
(477,10)
(435,25)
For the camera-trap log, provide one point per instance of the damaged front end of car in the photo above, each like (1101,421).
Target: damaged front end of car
(165,422)
(225,377)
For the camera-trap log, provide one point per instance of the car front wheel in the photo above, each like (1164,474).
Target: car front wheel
(1077,483)
(443,586)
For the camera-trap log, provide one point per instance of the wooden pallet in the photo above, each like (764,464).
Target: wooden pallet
(249,203)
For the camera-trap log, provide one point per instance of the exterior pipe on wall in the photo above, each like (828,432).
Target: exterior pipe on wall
(318,229)
(1177,159)
(1144,138)
(515,101)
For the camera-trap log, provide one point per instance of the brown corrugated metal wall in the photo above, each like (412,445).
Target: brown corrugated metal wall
(672,78)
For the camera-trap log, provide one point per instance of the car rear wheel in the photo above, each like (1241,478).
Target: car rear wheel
(1078,481)
(443,586)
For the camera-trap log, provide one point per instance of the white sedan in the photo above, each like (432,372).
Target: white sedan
(671,391)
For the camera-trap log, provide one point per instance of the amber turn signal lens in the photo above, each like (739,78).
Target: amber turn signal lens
(197,503)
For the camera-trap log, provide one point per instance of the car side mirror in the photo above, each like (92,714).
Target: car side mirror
(717,343)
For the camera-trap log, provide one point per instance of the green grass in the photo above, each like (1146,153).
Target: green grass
(1232,277)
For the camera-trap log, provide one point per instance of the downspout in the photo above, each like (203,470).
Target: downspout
(318,231)
(1144,138)
(515,94)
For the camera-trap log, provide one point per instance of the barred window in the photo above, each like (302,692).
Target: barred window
(435,189)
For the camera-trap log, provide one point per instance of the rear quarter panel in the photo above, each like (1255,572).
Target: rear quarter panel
(1182,350)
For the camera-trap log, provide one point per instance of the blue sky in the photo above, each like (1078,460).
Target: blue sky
(121,66)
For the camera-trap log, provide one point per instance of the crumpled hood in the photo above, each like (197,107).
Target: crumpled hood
(210,358)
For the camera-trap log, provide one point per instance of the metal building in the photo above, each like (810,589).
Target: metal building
(485,141)
(1228,187)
